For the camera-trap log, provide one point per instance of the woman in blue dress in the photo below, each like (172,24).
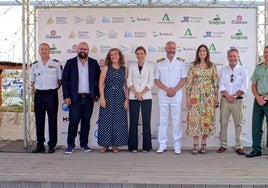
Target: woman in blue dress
(113,123)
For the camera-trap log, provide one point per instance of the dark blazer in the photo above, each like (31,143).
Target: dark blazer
(70,79)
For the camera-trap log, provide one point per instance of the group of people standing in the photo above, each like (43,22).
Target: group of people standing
(120,89)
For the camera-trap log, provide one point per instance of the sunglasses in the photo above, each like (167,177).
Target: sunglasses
(232,78)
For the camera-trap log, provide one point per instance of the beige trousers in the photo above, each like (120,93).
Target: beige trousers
(226,109)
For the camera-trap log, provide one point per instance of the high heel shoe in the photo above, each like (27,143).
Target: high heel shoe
(203,149)
(195,149)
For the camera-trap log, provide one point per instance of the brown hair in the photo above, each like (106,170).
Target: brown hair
(140,48)
(207,59)
(121,61)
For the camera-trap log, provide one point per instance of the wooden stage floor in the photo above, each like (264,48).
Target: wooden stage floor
(125,169)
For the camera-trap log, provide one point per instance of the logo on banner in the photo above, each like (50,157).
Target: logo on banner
(134,19)
(105,19)
(50,21)
(54,49)
(187,49)
(128,35)
(212,49)
(53,35)
(118,19)
(101,62)
(94,50)
(216,20)
(151,49)
(61,20)
(72,35)
(90,20)
(78,19)
(105,49)
(242,49)
(112,34)
(188,34)
(187,19)
(96,134)
(209,34)
(162,34)
(65,107)
(65,119)
(140,34)
(165,20)
(161,49)
(100,34)
(83,34)
(73,50)
(239,36)
(239,20)
(179,49)
(123,48)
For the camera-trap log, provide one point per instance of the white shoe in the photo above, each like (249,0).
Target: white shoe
(160,150)
(177,151)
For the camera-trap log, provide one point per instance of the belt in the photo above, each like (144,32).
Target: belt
(47,91)
(236,98)
(84,94)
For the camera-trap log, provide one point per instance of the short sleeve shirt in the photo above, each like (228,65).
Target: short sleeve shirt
(170,73)
(260,76)
(46,76)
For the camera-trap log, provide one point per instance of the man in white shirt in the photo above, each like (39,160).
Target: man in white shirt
(45,79)
(233,85)
(80,80)
(170,77)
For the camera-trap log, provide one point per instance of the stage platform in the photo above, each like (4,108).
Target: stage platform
(130,170)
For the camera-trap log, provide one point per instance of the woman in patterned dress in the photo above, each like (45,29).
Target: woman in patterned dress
(201,98)
(113,127)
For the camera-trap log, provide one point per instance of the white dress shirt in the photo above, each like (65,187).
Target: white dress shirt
(240,79)
(83,77)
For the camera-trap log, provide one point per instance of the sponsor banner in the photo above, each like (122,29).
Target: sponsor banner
(127,28)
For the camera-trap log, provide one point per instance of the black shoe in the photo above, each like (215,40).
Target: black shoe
(39,150)
(253,154)
(51,150)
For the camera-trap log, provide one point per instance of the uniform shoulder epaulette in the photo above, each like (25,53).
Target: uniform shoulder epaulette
(159,60)
(33,63)
(260,64)
(180,59)
(55,60)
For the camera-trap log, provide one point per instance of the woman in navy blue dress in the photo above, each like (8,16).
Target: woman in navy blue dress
(113,123)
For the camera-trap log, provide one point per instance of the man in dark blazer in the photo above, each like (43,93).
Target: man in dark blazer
(80,82)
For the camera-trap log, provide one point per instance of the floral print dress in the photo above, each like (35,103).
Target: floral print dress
(201,116)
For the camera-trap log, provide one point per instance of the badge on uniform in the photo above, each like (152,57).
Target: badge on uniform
(51,67)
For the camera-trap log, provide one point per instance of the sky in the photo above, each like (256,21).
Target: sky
(10,33)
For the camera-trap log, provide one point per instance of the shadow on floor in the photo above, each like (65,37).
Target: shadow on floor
(18,147)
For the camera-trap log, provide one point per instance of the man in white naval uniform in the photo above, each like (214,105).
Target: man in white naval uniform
(170,77)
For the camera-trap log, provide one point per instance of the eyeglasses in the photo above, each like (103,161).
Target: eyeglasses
(232,78)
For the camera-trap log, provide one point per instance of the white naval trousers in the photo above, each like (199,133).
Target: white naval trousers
(171,105)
